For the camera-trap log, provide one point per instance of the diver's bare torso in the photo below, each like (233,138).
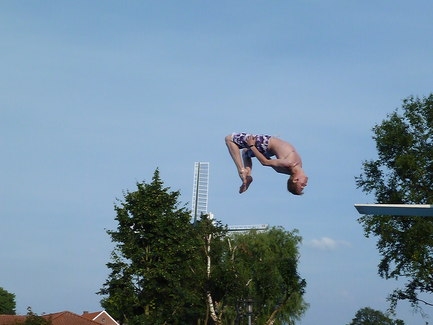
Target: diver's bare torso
(286,153)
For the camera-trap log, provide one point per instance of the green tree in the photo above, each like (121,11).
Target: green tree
(166,270)
(256,270)
(214,277)
(151,279)
(7,302)
(369,316)
(34,319)
(403,173)
(266,269)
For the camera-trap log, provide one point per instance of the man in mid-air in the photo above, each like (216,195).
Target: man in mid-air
(263,147)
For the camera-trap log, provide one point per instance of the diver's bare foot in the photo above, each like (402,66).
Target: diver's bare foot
(245,185)
(247,180)
(245,175)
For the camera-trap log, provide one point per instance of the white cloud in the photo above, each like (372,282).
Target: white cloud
(326,243)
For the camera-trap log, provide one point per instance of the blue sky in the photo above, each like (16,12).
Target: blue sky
(95,95)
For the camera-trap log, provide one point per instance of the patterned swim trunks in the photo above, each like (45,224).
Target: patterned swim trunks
(262,143)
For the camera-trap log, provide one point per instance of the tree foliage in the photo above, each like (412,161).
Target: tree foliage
(151,280)
(7,302)
(257,271)
(166,270)
(33,319)
(266,266)
(369,316)
(403,174)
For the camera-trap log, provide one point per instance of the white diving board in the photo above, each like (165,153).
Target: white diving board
(418,210)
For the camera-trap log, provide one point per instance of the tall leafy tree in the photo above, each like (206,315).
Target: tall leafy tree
(166,270)
(369,316)
(215,278)
(151,279)
(7,302)
(403,173)
(266,266)
(252,275)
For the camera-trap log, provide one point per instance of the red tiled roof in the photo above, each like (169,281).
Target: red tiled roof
(68,318)
(91,315)
(101,317)
(62,318)
(11,319)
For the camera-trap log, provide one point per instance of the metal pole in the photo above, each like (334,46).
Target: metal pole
(250,310)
